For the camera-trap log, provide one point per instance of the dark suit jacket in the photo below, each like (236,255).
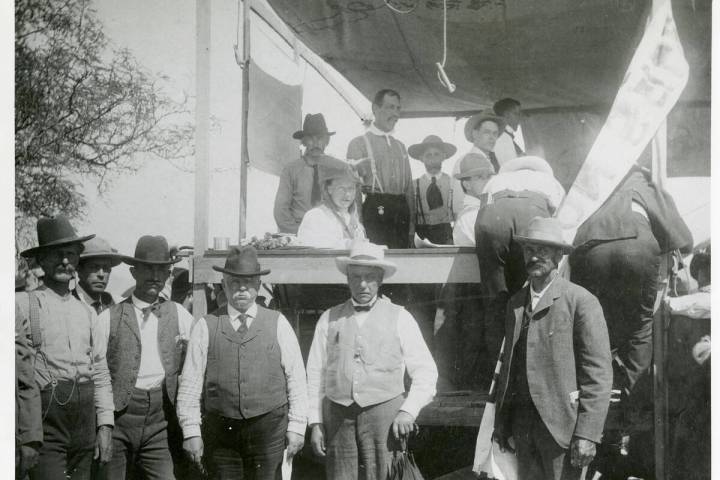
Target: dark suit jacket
(569,367)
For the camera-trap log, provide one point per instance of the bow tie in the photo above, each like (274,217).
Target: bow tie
(363,308)
(150,309)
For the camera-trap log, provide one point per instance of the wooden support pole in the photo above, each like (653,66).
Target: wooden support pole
(245,155)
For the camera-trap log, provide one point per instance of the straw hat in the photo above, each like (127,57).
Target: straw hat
(416,151)
(474,164)
(478,118)
(366,254)
(100,248)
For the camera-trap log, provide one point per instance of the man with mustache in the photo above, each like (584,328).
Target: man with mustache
(299,188)
(244,363)
(554,385)
(388,211)
(70,370)
(96,262)
(146,340)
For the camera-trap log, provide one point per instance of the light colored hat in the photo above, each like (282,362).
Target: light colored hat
(416,151)
(333,169)
(368,255)
(474,164)
(100,248)
(544,231)
(479,118)
(528,162)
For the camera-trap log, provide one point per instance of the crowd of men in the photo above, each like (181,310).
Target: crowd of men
(139,389)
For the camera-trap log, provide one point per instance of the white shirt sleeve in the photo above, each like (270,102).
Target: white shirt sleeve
(316,369)
(292,364)
(464,229)
(419,363)
(192,379)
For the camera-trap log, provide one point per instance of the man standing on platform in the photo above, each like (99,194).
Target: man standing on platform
(510,143)
(96,262)
(356,367)
(146,341)
(244,362)
(554,386)
(299,188)
(388,211)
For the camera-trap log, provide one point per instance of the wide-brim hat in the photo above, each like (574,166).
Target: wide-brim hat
(242,262)
(417,150)
(366,254)
(544,231)
(100,248)
(474,164)
(478,118)
(54,232)
(151,250)
(333,169)
(314,124)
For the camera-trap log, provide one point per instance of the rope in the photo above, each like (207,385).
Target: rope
(401,12)
(442,76)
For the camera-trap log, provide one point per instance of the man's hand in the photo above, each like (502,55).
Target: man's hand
(317,439)
(28,460)
(582,452)
(294,442)
(194,447)
(503,440)
(103,444)
(403,425)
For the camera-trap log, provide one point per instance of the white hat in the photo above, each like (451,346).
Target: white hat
(368,255)
(528,162)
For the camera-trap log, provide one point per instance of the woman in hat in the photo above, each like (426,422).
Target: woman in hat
(335,222)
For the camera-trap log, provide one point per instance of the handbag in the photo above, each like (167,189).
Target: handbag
(403,466)
(491,462)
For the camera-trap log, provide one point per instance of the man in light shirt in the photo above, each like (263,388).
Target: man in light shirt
(475,172)
(510,143)
(96,262)
(358,358)
(244,362)
(145,349)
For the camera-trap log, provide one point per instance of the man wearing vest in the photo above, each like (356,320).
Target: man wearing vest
(96,262)
(69,363)
(356,367)
(244,362)
(388,211)
(146,340)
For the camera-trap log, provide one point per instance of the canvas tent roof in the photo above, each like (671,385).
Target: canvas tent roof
(553,53)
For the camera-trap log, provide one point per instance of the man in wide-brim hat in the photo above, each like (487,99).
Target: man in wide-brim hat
(146,340)
(556,375)
(69,365)
(358,358)
(96,262)
(299,188)
(244,363)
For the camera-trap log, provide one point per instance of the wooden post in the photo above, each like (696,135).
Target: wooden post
(202,143)
(245,156)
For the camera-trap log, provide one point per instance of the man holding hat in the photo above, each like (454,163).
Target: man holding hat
(69,364)
(146,340)
(244,362)
(358,358)
(299,188)
(96,262)
(554,386)
(433,191)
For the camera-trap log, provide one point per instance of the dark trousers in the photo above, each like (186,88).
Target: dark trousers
(539,455)
(140,439)
(68,431)
(623,274)
(250,449)
(440,234)
(358,440)
(386,218)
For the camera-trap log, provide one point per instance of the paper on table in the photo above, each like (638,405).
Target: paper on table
(286,466)
(425,243)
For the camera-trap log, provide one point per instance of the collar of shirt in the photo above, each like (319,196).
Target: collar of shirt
(358,304)
(234,313)
(536,296)
(376,131)
(436,176)
(84,296)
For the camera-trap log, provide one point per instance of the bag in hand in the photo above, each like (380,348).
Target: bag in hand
(403,465)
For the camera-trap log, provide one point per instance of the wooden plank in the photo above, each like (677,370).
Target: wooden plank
(244,156)
(202,130)
(310,266)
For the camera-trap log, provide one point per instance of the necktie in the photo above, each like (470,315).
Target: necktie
(315,193)
(243,327)
(433,195)
(518,151)
(98,306)
(494,161)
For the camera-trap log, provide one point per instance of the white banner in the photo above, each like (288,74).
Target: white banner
(653,83)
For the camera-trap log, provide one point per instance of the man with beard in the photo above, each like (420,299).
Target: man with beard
(299,188)
(96,262)
(146,339)
(69,363)
(388,211)
(554,385)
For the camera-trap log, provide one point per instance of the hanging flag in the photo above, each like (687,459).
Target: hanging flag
(652,85)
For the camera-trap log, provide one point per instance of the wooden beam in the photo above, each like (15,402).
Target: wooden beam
(202,125)
(244,156)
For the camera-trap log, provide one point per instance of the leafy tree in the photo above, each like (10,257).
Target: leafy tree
(83,109)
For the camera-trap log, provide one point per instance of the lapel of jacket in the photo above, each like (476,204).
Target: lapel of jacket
(551,294)
(519,310)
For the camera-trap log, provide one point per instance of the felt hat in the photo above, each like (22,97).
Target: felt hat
(544,231)
(416,151)
(333,169)
(478,118)
(242,262)
(366,254)
(314,124)
(100,248)
(474,164)
(151,250)
(54,232)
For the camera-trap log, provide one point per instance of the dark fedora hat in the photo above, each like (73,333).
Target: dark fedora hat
(474,121)
(314,124)
(100,248)
(54,232)
(416,151)
(151,250)
(242,262)
(545,231)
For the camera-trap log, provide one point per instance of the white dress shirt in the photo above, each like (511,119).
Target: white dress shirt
(504,147)
(536,296)
(320,228)
(460,198)
(193,375)
(416,359)
(464,228)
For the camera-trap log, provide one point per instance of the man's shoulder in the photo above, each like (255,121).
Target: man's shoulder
(293,165)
